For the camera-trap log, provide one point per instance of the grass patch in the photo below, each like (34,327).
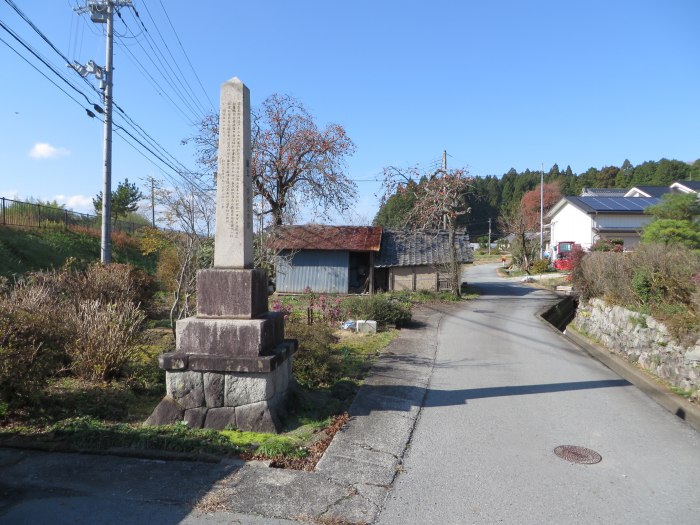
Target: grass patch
(87,433)
(481,256)
(686,393)
(268,445)
(25,250)
(70,414)
(359,352)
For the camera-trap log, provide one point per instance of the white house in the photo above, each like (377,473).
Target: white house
(605,213)
(648,191)
(686,186)
(584,220)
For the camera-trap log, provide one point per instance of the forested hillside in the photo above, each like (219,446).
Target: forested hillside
(492,194)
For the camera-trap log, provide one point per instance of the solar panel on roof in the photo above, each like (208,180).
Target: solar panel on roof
(618,204)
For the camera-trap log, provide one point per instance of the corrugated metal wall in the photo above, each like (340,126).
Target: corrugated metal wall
(322,271)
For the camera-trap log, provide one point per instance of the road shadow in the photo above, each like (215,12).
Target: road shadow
(67,488)
(407,397)
(504,289)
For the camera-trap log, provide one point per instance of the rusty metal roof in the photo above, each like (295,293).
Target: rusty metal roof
(320,237)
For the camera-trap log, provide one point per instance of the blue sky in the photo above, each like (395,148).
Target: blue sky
(497,84)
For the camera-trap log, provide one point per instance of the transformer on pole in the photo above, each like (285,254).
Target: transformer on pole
(102,12)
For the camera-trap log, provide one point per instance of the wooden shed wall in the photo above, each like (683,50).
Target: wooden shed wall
(414,278)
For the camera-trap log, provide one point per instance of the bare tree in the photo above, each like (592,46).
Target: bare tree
(525,246)
(440,200)
(293,162)
(189,215)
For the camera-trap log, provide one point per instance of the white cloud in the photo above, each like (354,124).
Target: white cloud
(10,194)
(44,150)
(79,203)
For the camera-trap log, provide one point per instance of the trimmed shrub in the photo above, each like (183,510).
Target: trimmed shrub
(657,279)
(605,274)
(88,321)
(316,364)
(110,284)
(540,266)
(382,308)
(665,273)
(32,336)
(106,337)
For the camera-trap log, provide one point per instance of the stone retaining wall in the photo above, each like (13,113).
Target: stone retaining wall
(642,340)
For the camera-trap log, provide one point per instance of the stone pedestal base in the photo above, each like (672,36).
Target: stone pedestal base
(232,365)
(250,401)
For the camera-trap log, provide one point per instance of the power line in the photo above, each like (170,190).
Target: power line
(163,94)
(42,73)
(181,76)
(43,36)
(146,135)
(56,72)
(41,59)
(185,53)
(162,67)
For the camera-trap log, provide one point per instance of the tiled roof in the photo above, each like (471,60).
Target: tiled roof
(603,192)
(693,185)
(651,191)
(320,237)
(421,248)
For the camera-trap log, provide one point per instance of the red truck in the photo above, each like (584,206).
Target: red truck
(563,260)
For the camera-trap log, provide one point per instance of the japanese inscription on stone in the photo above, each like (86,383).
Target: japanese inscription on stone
(234,213)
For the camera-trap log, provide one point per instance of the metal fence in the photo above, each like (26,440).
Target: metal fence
(32,215)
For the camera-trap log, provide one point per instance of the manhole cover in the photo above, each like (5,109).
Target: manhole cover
(578,454)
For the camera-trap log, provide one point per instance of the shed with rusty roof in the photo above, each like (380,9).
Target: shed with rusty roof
(325,259)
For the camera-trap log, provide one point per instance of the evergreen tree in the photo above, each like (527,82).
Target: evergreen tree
(125,200)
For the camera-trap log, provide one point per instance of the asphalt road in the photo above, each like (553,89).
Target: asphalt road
(505,391)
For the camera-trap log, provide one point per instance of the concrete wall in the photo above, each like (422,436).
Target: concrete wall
(642,340)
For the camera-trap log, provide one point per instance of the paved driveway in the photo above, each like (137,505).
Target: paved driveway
(505,391)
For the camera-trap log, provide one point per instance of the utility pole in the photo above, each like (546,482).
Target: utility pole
(102,12)
(444,174)
(489,235)
(153,201)
(542,212)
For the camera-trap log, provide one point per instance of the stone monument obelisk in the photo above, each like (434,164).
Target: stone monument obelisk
(231,366)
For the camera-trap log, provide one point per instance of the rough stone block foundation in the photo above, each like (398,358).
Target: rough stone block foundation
(219,399)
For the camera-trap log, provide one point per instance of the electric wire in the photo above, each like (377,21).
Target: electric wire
(163,94)
(44,37)
(42,73)
(177,37)
(120,129)
(161,68)
(53,69)
(41,59)
(181,76)
(154,143)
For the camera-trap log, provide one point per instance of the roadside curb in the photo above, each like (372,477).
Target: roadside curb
(125,452)
(351,481)
(670,401)
(642,380)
